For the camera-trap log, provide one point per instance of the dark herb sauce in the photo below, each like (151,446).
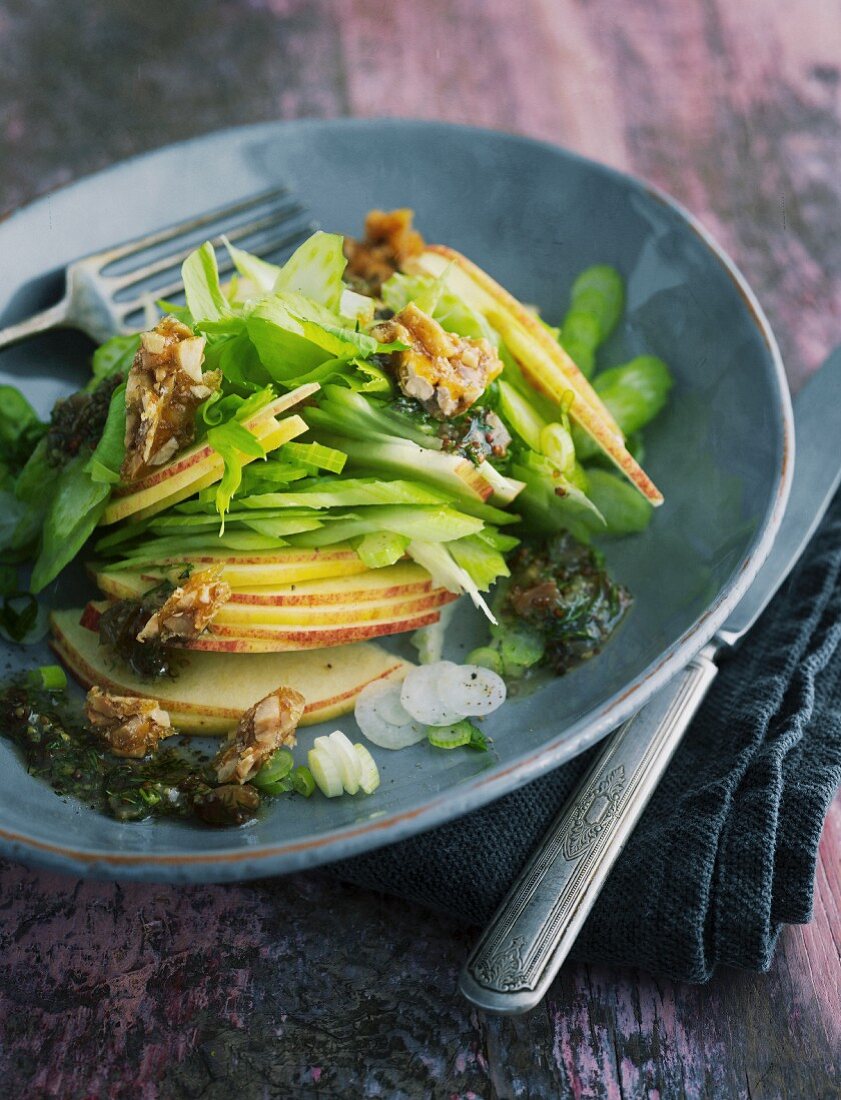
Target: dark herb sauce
(78,421)
(60,750)
(120,624)
(561,589)
(477,434)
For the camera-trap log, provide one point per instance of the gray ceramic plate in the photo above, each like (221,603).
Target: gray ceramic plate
(533,215)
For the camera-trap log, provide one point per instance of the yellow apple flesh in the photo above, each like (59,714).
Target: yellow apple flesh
(543,361)
(236,612)
(259,568)
(212,690)
(193,470)
(403,579)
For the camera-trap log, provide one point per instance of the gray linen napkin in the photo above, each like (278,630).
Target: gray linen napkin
(725,853)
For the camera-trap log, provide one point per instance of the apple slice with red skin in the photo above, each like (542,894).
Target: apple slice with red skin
(286,637)
(212,690)
(544,363)
(258,568)
(405,579)
(250,613)
(197,469)
(199,466)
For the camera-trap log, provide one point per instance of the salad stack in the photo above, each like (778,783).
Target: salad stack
(319,454)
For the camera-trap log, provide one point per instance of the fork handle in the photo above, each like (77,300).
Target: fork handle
(49,318)
(531,933)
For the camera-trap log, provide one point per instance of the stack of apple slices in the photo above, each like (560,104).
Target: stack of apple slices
(213,690)
(301,606)
(300,616)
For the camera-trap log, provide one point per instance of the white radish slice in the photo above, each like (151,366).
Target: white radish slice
(471,690)
(375,705)
(384,697)
(422,697)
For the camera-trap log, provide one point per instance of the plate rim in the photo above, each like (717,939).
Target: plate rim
(349,840)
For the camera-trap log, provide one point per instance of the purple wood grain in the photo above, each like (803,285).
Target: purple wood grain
(732,108)
(298,986)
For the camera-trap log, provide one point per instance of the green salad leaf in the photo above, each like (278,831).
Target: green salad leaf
(233,442)
(115,356)
(20,429)
(75,508)
(315,270)
(200,273)
(105,462)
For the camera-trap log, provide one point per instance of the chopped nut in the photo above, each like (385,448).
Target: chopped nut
(262,729)
(129,725)
(229,804)
(444,372)
(188,610)
(389,241)
(165,387)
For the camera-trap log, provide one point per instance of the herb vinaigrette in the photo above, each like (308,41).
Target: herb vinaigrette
(58,748)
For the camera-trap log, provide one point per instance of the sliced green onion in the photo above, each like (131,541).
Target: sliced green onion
(277,767)
(369,773)
(451,737)
(486,657)
(381,548)
(520,648)
(326,773)
(48,677)
(302,781)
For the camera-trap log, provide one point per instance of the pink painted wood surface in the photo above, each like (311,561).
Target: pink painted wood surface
(299,987)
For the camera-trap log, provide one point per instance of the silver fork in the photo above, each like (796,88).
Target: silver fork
(105,290)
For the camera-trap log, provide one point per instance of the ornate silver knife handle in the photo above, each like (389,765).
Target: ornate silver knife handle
(531,933)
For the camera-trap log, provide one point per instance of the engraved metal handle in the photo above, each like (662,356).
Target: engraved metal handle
(531,933)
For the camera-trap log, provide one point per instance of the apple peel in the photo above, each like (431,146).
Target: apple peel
(199,466)
(544,363)
(213,690)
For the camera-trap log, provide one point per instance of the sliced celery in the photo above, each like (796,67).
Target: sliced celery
(302,781)
(381,548)
(486,657)
(315,454)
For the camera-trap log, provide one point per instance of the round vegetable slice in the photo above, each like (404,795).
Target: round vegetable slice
(346,758)
(325,772)
(450,737)
(471,689)
(378,703)
(422,695)
(487,657)
(369,773)
(302,781)
(276,768)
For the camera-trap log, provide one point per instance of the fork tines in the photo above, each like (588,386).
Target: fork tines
(130,270)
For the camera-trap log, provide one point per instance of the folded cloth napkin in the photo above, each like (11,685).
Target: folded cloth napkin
(725,853)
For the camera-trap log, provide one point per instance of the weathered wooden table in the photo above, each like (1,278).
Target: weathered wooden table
(297,986)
